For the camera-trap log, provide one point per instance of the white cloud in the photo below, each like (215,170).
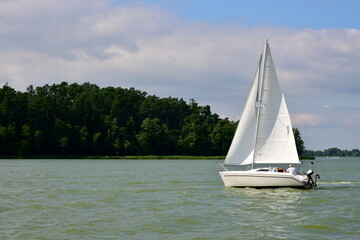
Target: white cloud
(49,41)
(304,119)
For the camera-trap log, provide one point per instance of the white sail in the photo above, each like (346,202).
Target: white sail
(275,141)
(241,150)
(267,137)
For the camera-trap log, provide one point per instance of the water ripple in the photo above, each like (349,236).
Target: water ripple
(177,200)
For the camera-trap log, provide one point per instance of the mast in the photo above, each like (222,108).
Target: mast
(258,103)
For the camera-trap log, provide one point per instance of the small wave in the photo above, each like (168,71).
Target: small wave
(319,227)
(82,204)
(21,190)
(5,209)
(340,183)
(136,183)
(177,182)
(153,190)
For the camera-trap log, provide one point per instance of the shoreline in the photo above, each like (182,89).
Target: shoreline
(148,157)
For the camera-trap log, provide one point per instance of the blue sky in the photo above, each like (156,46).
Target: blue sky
(316,14)
(205,50)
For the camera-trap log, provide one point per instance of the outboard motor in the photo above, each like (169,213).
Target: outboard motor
(310,180)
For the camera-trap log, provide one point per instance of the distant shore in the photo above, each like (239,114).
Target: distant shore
(148,157)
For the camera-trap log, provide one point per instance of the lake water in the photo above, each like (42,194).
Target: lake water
(175,199)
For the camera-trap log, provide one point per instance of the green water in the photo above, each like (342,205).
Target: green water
(159,199)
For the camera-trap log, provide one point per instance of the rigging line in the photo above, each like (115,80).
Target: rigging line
(286,126)
(282,123)
(280,70)
(283,79)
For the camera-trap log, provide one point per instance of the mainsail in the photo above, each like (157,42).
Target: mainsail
(264,134)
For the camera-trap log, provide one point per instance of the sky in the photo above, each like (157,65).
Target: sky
(202,50)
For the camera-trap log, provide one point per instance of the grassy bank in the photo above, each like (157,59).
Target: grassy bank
(307,158)
(148,157)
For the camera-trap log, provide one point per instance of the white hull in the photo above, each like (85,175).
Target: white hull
(263,179)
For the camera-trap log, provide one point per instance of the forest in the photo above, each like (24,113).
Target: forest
(333,152)
(86,120)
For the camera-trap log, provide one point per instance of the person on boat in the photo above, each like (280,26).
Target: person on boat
(291,170)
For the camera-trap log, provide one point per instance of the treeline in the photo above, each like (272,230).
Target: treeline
(83,120)
(334,152)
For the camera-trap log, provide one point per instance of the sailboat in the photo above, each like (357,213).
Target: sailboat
(264,139)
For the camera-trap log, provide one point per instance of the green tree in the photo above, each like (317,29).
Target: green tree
(300,146)
(84,119)
(154,138)
(194,136)
(221,136)
(8,141)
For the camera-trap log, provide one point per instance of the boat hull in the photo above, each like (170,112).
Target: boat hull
(263,179)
